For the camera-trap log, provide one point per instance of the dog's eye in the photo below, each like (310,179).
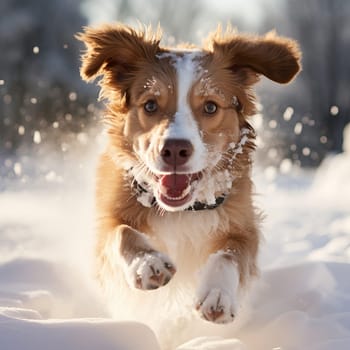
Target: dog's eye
(150,106)
(210,107)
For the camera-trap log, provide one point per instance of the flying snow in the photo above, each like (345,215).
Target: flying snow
(298,128)
(37,137)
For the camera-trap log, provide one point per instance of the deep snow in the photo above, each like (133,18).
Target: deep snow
(49,300)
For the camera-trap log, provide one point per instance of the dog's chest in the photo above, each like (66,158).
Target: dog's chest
(186,236)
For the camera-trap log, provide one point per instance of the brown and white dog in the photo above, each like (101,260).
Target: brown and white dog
(174,195)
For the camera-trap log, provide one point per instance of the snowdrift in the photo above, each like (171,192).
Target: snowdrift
(48,297)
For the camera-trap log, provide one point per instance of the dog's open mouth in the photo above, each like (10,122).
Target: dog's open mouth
(175,190)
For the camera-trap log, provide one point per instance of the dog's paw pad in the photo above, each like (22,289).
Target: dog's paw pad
(216,307)
(150,271)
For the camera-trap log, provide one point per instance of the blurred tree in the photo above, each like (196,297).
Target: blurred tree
(39,71)
(323,29)
(176,17)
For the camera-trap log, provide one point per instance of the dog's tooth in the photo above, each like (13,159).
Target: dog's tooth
(184,193)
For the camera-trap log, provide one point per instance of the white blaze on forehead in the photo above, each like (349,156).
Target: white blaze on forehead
(187,68)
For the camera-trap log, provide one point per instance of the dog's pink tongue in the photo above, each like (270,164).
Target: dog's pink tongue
(175,184)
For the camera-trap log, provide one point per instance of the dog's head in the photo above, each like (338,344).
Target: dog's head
(178,117)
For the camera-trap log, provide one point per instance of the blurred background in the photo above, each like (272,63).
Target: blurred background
(49,117)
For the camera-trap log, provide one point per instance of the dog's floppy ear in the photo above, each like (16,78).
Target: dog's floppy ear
(115,51)
(278,58)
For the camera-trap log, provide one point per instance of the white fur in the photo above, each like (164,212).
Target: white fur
(143,267)
(218,288)
(184,125)
(139,269)
(183,233)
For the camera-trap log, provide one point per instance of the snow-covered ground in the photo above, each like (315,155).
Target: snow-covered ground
(49,300)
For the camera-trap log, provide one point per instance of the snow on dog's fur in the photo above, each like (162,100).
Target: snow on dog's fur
(175,218)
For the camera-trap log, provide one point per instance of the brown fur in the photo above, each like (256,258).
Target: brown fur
(126,59)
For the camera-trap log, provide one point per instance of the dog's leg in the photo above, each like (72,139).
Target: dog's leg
(144,267)
(225,271)
(120,246)
(217,295)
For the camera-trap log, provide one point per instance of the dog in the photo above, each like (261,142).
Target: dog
(174,192)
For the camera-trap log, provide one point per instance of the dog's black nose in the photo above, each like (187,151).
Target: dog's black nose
(176,152)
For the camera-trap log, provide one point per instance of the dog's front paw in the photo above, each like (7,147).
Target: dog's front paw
(216,307)
(150,270)
(217,295)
